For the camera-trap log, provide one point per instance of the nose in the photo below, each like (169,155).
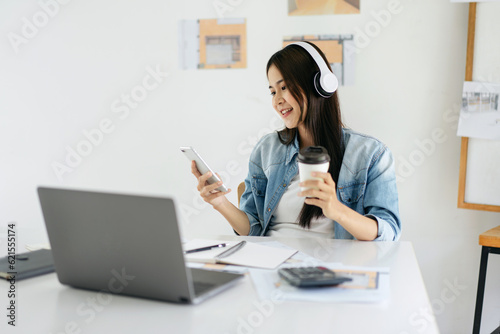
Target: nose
(278,98)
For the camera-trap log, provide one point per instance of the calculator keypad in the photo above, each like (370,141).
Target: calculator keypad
(311,276)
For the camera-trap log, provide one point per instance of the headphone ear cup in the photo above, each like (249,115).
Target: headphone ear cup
(325,82)
(319,89)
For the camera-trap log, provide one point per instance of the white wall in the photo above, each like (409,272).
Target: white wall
(66,77)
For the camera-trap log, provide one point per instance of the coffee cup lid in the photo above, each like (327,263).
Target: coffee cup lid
(314,155)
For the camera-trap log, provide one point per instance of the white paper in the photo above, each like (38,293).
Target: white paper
(34,247)
(269,284)
(218,267)
(250,255)
(205,256)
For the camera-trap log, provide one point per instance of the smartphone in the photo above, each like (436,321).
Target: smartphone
(202,166)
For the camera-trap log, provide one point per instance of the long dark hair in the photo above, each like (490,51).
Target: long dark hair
(322,120)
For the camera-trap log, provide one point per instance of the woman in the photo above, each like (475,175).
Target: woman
(356,199)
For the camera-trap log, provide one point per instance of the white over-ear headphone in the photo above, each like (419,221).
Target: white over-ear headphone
(325,82)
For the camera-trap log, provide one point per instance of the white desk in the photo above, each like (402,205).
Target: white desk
(46,306)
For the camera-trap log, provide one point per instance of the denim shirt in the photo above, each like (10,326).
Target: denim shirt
(366,184)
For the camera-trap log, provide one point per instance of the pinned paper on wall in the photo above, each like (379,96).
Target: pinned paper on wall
(212,43)
(338,49)
(323,7)
(474,0)
(480,114)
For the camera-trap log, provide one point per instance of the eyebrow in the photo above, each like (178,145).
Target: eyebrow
(277,82)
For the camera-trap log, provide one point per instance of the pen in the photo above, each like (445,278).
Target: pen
(231,250)
(204,248)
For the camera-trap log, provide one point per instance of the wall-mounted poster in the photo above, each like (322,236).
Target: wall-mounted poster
(335,49)
(475,0)
(322,7)
(212,43)
(480,113)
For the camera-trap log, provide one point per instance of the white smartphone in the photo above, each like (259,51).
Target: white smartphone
(202,166)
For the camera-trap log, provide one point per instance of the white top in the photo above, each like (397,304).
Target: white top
(285,219)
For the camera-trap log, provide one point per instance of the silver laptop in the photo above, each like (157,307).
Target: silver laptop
(123,244)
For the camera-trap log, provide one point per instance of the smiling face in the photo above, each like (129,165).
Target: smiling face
(284,103)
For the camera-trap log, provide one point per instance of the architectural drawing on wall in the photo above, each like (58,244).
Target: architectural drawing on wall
(479,101)
(323,7)
(212,43)
(473,0)
(480,115)
(335,48)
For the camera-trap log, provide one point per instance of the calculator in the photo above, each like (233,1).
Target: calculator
(304,277)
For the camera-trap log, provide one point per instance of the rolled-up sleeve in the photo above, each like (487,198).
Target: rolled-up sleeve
(248,205)
(381,197)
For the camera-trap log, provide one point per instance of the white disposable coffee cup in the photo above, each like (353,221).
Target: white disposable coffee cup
(312,159)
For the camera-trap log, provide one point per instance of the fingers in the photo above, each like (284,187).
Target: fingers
(314,201)
(202,180)
(319,196)
(314,193)
(322,189)
(210,188)
(194,169)
(209,195)
(327,177)
(314,188)
(207,191)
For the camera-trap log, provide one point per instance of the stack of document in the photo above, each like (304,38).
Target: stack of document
(368,285)
(242,253)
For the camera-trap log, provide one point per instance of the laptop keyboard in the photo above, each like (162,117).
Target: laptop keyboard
(201,287)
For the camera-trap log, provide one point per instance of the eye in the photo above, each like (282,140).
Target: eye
(273,93)
(283,88)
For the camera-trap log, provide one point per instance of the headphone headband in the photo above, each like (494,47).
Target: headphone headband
(325,82)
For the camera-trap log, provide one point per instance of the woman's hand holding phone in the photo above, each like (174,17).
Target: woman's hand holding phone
(214,192)
(208,191)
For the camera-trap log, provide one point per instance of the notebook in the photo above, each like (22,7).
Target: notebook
(124,244)
(242,253)
(26,265)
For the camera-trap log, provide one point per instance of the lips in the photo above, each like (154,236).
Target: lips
(286,112)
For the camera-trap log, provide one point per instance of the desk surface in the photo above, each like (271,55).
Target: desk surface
(46,306)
